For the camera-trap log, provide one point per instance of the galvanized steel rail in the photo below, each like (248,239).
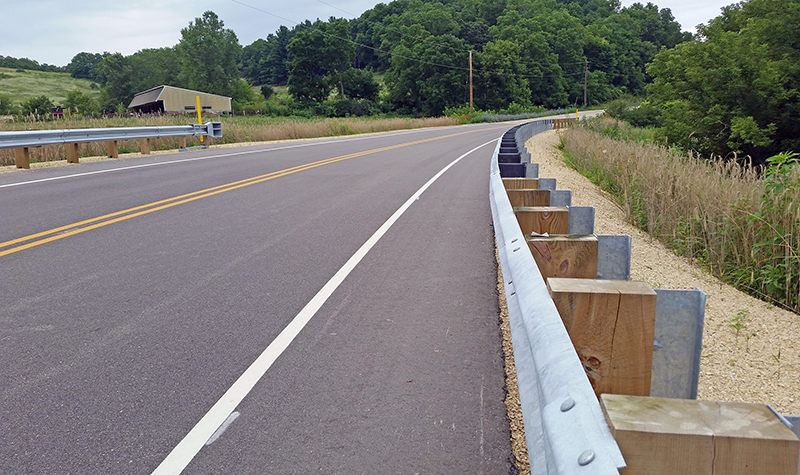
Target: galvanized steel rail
(21,141)
(565,427)
(38,138)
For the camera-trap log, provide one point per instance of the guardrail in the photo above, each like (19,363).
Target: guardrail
(561,337)
(21,141)
(565,428)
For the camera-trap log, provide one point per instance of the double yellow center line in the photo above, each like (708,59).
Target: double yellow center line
(33,240)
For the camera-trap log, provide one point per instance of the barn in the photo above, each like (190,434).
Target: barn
(172,99)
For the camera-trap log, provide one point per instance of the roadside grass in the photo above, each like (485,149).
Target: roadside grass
(235,130)
(25,85)
(740,223)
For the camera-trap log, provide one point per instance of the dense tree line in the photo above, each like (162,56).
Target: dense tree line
(525,52)
(409,57)
(25,63)
(736,87)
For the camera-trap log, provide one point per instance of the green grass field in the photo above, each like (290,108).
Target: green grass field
(22,86)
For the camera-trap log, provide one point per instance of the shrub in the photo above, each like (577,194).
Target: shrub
(7,106)
(37,106)
(267,91)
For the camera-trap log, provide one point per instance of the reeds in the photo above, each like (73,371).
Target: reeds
(235,130)
(723,213)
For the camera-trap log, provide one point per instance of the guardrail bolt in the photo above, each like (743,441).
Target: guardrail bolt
(586,458)
(567,405)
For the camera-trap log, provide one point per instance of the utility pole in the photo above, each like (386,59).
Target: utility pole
(585,84)
(470,81)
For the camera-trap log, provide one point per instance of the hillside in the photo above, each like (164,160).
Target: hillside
(21,86)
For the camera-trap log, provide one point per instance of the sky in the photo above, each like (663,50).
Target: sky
(53,31)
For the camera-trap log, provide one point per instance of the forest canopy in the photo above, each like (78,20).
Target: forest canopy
(408,57)
(525,52)
(736,87)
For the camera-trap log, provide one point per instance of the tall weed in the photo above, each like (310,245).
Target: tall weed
(741,225)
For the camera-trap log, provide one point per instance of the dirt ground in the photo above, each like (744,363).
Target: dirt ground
(751,349)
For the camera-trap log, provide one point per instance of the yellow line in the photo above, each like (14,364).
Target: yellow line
(105,220)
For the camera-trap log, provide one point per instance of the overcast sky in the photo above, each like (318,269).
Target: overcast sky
(53,31)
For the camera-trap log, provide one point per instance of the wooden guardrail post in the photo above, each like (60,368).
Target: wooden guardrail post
(659,436)
(571,255)
(182,141)
(521,183)
(543,219)
(528,197)
(611,324)
(112,151)
(22,157)
(144,146)
(72,153)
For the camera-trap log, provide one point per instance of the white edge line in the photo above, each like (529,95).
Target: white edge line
(184,452)
(246,152)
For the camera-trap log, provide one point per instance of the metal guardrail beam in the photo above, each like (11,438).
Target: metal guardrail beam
(565,427)
(38,138)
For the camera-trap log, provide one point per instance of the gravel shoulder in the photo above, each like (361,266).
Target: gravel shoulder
(759,363)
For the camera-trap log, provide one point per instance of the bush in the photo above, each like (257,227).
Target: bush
(463,114)
(38,106)
(617,108)
(643,115)
(267,91)
(80,104)
(7,106)
(357,108)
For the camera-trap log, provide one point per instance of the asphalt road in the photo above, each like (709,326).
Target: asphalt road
(135,293)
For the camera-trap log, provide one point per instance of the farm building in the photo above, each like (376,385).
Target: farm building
(176,99)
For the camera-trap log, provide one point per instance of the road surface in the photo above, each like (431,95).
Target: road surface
(318,306)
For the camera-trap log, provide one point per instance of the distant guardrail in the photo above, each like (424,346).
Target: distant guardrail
(565,428)
(21,141)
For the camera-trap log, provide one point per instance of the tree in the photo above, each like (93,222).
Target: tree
(115,74)
(735,89)
(39,105)
(319,58)
(155,67)
(265,61)
(429,75)
(360,84)
(80,104)
(267,91)
(209,55)
(501,77)
(253,57)
(83,65)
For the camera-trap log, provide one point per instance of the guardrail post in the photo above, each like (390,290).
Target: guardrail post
(529,197)
(144,146)
(182,141)
(611,323)
(72,153)
(565,255)
(22,157)
(660,435)
(111,149)
(543,219)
